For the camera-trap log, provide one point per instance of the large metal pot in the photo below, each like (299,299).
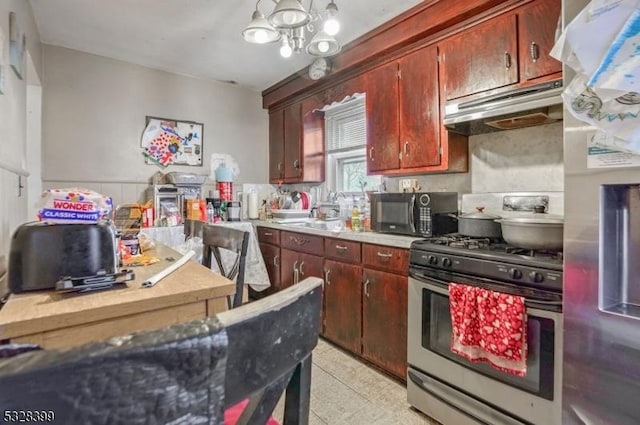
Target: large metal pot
(479,224)
(538,231)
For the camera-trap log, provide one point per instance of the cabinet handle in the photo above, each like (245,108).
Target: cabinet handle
(341,247)
(366,288)
(268,234)
(383,255)
(275,260)
(300,268)
(295,272)
(507,60)
(406,148)
(371,153)
(533,51)
(327,272)
(296,164)
(279,166)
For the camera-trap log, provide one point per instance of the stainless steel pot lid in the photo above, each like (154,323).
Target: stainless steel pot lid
(532,220)
(480,215)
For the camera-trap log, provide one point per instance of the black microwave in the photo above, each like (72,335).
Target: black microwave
(416,214)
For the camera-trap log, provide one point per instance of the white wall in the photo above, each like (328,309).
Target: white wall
(13,120)
(94,112)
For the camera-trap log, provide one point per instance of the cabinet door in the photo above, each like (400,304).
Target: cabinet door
(288,267)
(481,58)
(537,25)
(292,140)
(384,321)
(342,304)
(419,117)
(276,146)
(310,266)
(382,118)
(312,141)
(271,255)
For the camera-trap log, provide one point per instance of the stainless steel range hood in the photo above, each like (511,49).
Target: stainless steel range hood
(523,107)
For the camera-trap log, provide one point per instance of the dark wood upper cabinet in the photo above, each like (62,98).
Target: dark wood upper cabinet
(403,118)
(296,143)
(508,49)
(419,117)
(383,124)
(537,24)
(276,146)
(292,142)
(481,58)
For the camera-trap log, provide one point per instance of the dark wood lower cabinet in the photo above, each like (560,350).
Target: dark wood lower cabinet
(271,255)
(384,320)
(342,302)
(296,266)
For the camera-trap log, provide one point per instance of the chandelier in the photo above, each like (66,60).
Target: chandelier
(290,23)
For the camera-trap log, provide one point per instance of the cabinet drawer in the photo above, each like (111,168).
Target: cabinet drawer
(267,235)
(339,249)
(302,242)
(386,258)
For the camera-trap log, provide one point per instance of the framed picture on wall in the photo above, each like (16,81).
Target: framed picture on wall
(17,46)
(167,142)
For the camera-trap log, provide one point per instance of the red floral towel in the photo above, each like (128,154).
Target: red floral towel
(489,326)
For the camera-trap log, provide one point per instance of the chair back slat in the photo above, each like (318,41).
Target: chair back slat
(215,238)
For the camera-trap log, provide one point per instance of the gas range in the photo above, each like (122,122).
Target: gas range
(490,258)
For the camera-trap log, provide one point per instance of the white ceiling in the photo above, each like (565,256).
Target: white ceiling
(200,38)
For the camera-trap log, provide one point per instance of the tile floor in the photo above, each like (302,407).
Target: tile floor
(345,391)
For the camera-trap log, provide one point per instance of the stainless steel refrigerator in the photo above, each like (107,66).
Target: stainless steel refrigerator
(601,368)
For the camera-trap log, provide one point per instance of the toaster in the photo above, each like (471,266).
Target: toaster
(42,254)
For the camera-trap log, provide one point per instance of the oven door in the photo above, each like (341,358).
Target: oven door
(534,398)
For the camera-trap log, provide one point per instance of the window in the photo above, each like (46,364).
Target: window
(346,137)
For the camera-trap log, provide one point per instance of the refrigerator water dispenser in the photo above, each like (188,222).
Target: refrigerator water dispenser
(619,291)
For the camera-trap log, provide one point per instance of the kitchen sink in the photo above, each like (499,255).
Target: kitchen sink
(324,224)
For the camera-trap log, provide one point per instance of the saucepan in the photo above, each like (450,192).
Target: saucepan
(479,224)
(537,231)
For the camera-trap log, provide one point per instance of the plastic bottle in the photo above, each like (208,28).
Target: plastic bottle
(355,219)
(210,213)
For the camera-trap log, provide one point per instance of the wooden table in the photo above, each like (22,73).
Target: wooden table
(58,320)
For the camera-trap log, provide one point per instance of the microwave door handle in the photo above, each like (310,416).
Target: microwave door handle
(411,207)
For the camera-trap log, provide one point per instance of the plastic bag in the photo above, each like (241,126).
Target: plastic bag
(600,45)
(74,205)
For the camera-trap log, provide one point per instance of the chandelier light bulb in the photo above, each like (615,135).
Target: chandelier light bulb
(331,26)
(261,36)
(285,49)
(323,46)
(289,18)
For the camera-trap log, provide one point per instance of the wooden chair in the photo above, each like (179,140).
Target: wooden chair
(188,373)
(215,238)
(192,228)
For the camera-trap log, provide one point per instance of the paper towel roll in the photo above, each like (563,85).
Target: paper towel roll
(253,205)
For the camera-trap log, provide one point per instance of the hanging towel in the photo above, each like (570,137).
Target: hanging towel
(489,326)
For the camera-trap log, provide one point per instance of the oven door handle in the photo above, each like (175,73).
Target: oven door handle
(460,401)
(443,289)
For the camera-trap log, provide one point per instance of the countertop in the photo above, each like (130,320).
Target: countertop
(397,241)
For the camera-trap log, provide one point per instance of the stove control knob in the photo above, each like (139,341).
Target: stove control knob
(536,277)
(433,260)
(446,262)
(515,274)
